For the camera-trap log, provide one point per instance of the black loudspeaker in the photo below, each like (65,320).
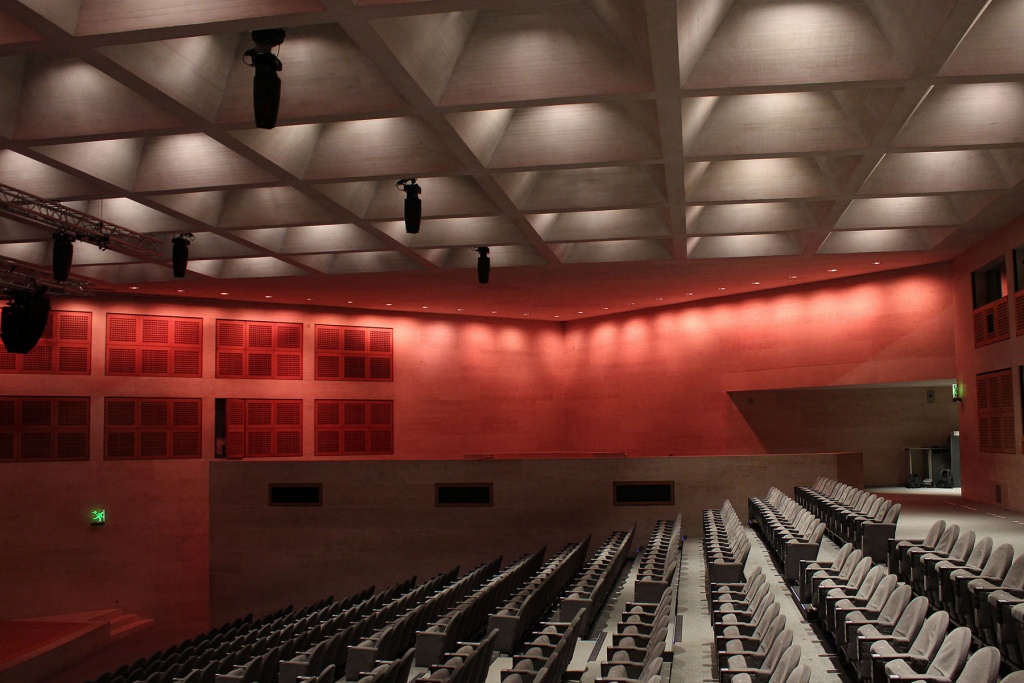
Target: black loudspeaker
(266,90)
(23,321)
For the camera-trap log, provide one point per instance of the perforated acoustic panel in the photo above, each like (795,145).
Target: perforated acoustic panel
(44,428)
(264,428)
(995,412)
(154,346)
(259,350)
(65,347)
(1018,304)
(152,428)
(347,427)
(992,322)
(362,354)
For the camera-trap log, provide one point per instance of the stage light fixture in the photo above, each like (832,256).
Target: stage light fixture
(179,253)
(413,206)
(483,265)
(266,85)
(23,320)
(63,252)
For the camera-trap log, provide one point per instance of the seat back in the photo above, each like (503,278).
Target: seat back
(1015,575)
(778,648)
(893,515)
(896,605)
(982,667)
(947,539)
(934,534)
(840,558)
(930,637)
(852,560)
(909,623)
(952,655)
(801,674)
(963,546)
(980,553)
(998,562)
(882,591)
(789,661)
(859,573)
(871,581)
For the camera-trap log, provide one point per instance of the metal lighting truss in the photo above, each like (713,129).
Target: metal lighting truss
(82,226)
(20,277)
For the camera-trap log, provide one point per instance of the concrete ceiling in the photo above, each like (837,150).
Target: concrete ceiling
(611,153)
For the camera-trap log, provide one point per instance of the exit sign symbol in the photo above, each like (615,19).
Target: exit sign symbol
(97,517)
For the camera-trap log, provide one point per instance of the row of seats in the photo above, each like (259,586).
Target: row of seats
(752,640)
(792,532)
(331,650)
(726,545)
(659,560)
(420,610)
(198,651)
(980,586)
(546,654)
(467,664)
(469,616)
(852,515)
(883,631)
(640,642)
(589,590)
(261,662)
(532,601)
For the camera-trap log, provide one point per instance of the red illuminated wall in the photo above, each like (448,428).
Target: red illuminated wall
(650,383)
(983,471)
(658,382)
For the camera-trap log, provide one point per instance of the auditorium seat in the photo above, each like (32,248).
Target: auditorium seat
(938,583)
(852,594)
(981,667)
(756,662)
(785,666)
(909,553)
(923,564)
(841,575)
(850,583)
(944,667)
(807,569)
(985,593)
(883,620)
(870,605)
(899,635)
(920,652)
(898,547)
(994,570)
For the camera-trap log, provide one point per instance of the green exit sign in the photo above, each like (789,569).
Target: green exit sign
(98,517)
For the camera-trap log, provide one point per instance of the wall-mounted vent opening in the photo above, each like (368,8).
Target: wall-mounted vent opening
(463,495)
(295,494)
(643,493)
(999,493)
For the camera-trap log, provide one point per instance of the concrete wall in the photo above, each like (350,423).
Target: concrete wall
(151,556)
(378,523)
(659,382)
(878,421)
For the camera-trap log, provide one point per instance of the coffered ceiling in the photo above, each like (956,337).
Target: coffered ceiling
(611,153)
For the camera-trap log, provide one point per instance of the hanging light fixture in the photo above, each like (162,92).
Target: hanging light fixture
(266,85)
(483,265)
(413,206)
(179,253)
(63,252)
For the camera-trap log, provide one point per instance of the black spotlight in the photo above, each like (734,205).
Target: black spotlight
(413,205)
(23,320)
(266,85)
(63,251)
(483,265)
(179,253)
